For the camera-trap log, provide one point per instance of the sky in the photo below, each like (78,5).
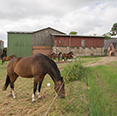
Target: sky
(86,17)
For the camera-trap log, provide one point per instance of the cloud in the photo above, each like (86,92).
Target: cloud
(86,16)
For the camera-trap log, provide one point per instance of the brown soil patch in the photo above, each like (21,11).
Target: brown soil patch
(103,61)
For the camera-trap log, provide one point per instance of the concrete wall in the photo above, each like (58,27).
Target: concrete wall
(80,51)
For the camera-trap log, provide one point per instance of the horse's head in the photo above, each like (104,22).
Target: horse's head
(60,53)
(71,53)
(59,88)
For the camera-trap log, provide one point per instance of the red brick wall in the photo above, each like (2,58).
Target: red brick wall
(42,49)
(76,41)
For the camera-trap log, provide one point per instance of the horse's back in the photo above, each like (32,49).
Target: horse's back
(11,65)
(37,64)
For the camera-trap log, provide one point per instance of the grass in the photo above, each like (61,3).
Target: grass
(102,93)
(95,94)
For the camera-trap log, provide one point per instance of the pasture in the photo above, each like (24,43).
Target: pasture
(94,95)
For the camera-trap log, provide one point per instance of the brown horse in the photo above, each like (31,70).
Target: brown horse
(5,58)
(67,55)
(57,56)
(36,66)
(50,55)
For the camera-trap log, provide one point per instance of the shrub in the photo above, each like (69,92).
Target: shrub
(73,71)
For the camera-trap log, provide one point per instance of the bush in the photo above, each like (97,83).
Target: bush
(73,71)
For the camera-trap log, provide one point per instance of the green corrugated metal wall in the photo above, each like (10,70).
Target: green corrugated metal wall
(19,44)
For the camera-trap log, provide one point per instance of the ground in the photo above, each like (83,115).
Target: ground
(22,105)
(101,61)
(96,61)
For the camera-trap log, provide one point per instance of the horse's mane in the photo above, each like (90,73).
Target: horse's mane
(70,52)
(53,64)
(60,53)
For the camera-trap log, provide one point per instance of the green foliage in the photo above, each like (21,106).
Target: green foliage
(107,35)
(73,71)
(73,33)
(113,31)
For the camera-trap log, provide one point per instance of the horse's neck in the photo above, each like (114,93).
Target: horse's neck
(54,73)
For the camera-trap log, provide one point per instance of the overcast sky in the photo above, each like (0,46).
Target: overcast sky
(87,17)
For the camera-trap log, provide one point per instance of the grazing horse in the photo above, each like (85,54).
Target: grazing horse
(36,66)
(57,56)
(50,55)
(67,55)
(5,58)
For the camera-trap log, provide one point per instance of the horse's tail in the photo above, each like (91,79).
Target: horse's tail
(6,83)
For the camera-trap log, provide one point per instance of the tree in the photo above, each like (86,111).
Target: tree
(113,30)
(73,33)
(107,35)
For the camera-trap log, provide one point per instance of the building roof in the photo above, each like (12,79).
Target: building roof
(114,45)
(19,32)
(78,36)
(1,41)
(35,31)
(108,41)
(49,28)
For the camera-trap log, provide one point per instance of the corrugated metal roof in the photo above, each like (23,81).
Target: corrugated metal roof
(48,28)
(108,41)
(16,32)
(34,31)
(78,36)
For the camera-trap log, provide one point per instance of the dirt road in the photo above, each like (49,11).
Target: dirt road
(102,61)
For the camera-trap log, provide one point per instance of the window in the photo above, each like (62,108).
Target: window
(83,43)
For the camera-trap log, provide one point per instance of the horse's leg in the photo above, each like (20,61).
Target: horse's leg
(12,80)
(39,88)
(58,57)
(12,90)
(34,90)
(36,79)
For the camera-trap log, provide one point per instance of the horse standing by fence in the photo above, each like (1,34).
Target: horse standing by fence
(36,66)
(67,55)
(5,58)
(57,56)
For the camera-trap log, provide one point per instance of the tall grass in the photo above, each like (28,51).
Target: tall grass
(100,87)
(101,95)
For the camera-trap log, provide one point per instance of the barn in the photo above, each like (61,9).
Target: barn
(79,45)
(24,44)
(50,40)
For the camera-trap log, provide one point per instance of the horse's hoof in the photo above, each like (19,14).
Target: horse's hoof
(39,97)
(33,101)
